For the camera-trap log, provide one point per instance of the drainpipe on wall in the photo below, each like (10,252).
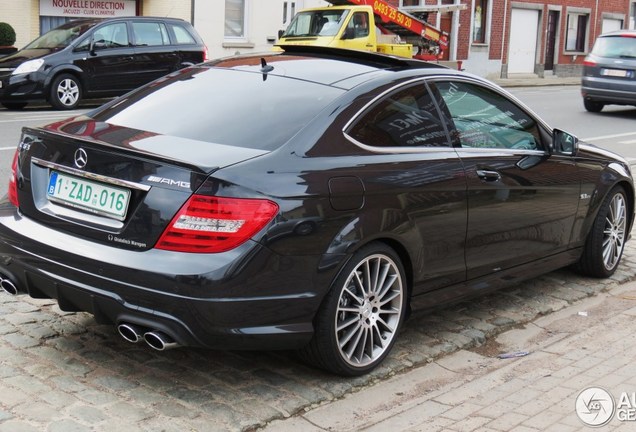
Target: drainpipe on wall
(454,33)
(595,22)
(192,12)
(503,36)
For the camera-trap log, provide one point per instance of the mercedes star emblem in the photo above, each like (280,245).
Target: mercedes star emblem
(81,158)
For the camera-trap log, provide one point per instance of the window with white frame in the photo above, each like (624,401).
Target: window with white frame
(480,18)
(576,37)
(234,19)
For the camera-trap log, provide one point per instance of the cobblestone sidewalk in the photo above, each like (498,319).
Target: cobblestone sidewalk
(62,372)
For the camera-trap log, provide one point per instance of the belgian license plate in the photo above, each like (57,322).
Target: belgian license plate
(614,72)
(88,195)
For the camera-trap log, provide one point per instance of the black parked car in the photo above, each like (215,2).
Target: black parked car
(609,71)
(95,58)
(304,199)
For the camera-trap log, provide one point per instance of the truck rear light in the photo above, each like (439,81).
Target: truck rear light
(13,181)
(216,224)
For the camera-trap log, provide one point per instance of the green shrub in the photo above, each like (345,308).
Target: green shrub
(7,34)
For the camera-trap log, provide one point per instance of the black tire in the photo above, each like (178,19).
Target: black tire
(14,105)
(593,106)
(605,242)
(367,302)
(66,92)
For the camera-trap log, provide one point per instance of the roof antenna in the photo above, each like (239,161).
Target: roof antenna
(265,68)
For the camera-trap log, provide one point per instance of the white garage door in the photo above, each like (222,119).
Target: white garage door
(524,28)
(610,24)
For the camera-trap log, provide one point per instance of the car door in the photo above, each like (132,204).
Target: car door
(414,184)
(154,55)
(107,59)
(522,200)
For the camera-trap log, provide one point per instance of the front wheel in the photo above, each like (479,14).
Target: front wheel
(359,319)
(606,240)
(66,92)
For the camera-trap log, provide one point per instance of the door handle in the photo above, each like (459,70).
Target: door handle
(487,175)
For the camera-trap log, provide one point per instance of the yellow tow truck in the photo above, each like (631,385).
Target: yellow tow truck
(369,25)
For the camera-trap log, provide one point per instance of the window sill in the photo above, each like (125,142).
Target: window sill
(238,45)
(574,53)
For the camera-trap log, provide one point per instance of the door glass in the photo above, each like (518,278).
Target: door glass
(111,36)
(405,118)
(486,119)
(150,34)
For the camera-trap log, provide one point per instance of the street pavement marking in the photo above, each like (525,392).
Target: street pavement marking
(609,136)
(627,142)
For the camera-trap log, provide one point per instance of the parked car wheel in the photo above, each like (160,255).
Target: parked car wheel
(593,106)
(359,320)
(14,105)
(66,92)
(605,243)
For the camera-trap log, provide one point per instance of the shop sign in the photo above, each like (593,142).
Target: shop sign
(87,8)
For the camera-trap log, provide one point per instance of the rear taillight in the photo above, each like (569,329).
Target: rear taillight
(205,53)
(589,63)
(13,181)
(216,224)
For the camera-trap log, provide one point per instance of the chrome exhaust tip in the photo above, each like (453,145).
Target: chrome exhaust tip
(159,341)
(7,285)
(131,332)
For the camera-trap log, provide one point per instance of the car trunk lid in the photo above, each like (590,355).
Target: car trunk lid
(113,184)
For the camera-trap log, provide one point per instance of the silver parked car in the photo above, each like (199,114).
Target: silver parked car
(609,71)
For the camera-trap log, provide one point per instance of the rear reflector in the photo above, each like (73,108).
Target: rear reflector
(216,224)
(13,181)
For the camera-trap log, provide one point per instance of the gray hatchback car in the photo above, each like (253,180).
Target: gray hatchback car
(609,71)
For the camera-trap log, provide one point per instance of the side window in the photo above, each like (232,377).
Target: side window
(111,36)
(150,34)
(405,118)
(486,119)
(182,35)
(358,26)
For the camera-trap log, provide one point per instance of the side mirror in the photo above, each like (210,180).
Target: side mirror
(564,143)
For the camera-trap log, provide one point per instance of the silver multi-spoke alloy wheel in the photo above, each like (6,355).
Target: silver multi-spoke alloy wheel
(68,92)
(369,310)
(614,232)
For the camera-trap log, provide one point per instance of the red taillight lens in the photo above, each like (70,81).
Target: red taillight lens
(13,181)
(589,63)
(216,224)
(206,56)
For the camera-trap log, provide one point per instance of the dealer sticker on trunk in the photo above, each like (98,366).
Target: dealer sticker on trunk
(88,195)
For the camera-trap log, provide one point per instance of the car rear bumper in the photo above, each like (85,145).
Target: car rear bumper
(249,299)
(617,91)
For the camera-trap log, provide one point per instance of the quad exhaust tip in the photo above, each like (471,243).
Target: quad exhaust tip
(159,341)
(7,285)
(131,332)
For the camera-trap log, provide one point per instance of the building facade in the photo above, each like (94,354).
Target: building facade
(499,38)
(492,38)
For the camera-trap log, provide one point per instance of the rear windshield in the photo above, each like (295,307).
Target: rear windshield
(615,47)
(224,106)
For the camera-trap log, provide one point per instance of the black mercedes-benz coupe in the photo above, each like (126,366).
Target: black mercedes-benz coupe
(304,199)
